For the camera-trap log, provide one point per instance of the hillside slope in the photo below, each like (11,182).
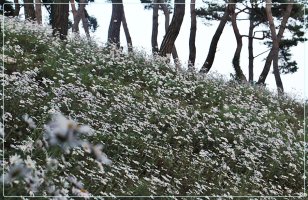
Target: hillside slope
(166,132)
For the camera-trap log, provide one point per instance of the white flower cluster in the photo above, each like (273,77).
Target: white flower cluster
(64,133)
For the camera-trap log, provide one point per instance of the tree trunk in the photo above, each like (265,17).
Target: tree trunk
(80,15)
(77,16)
(212,51)
(85,23)
(60,18)
(74,11)
(174,28)
(167,19)
(236,58)
(17,8)
(126,31)
(155,28)
(275,45)
(250,41)
(239,44)
(29,9)
(75,28)
(250,49)
(192,37)
(38,11)
(269,58)
(115,23)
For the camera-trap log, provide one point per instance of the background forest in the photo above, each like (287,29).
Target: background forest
(92,120)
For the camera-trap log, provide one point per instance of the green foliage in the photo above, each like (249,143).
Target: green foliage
(148,4)
(211,11)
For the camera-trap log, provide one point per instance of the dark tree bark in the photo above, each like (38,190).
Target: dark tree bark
(29,9)
(167,19)
(115,23)
(60,18)
(270,56)
(250,41)
(85,23)
(236,58)
(174,28)
(126,31)
(74,10)
(250,49)
(17,8)
(275,46)
(212,51)
(155,27)
(80,15)
(192,37)
(38,11)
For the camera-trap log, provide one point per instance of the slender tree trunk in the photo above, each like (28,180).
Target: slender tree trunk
(192,37)
(38,11)
(60,18)
(80,15)
(270,55)
(115,23)
(74,10)
(29,9)
(155,28)
(167,19)
(250,50)
(126,31)
(212,51)
(85,23)
(174,28)
(250,42)
(77,14)
(17,8)
(236,58)
(275,46)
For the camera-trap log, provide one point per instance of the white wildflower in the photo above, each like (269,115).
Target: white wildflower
(34,182)
(86,147)
(29,120)
(100,156)
(51,189)
(15,160)
(15,172)
(39,143)
(85,129)
(30,163)
(61,130)
(75,182)
(52,164)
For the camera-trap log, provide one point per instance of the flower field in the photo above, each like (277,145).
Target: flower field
(81,119)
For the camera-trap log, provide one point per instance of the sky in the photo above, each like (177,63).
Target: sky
(139,23)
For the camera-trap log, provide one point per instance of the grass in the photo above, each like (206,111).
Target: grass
(166,132)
